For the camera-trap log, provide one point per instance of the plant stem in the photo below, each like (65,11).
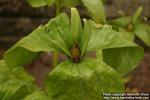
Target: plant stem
(55,58)
(55,54)
(99,55)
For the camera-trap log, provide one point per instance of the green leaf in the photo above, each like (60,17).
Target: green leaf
(16,83)
(63,3)
(38,95)
(70,3)
(50,37)
(76,26)
(104,37)
(16,91)
(35,3)
(115,45)
(58,29)
(4,72)
(126,58)
(21,74)
(96,10)
(22,55)
(50,2)
(86,80)
(28,48)
(18,73)
(127,35)
(142,31)
(120,22)
(136,15)
(39,3)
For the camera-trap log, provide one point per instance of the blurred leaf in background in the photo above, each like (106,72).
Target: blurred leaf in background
(133,26)
(62,3)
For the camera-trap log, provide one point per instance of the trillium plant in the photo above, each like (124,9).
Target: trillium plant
(95,9)
(133,26)
(79,77)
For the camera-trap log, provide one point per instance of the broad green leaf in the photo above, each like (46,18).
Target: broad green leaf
(76,26)
(115,45)
(22,55)
(58,29)
(4,72)
(15,91)
(38,95)
(136,15)
(39,3)
(127,35)
(86,80)
(120,22)
(50,37)
(123,59)
(142,32)
(21,74)
(105,37)
(96,10)
(18,73)
(28,48)
(14,84)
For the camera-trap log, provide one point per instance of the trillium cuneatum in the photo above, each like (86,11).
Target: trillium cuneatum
(78,78)
(131,26)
